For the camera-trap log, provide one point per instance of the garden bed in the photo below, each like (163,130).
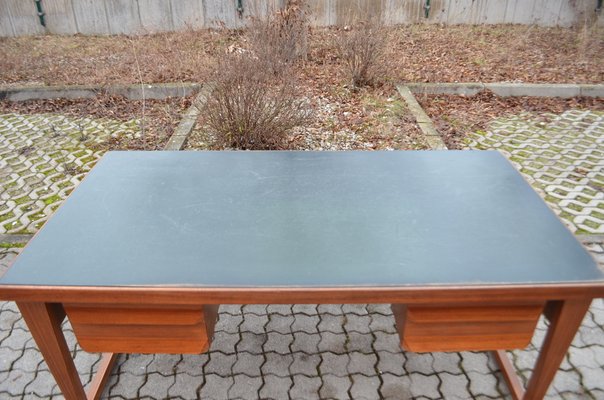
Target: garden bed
(418,53)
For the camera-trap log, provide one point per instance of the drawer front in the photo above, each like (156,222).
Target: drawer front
(477,328)
(134,329)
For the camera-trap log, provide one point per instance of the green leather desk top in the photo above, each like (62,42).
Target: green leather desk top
(316,219)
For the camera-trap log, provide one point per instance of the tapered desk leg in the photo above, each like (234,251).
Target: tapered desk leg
(44,323)
(565,319)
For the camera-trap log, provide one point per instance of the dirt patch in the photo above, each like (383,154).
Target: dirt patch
(160,116)
(418,53)
(456,116)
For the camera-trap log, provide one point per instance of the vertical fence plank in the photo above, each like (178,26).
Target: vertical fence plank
(494,12)
(91,17)
(24,17)
(319,12)
(187,14)
(156,15)
(222,12)
(123,17)
(6,21)
(59,17)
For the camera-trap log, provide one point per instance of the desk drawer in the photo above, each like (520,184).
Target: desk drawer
(139,329)
(443,328)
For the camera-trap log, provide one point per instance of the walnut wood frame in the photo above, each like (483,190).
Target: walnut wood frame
(41,306)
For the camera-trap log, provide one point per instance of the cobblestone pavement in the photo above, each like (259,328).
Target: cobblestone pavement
(42,158)
(303,352)
(562,156)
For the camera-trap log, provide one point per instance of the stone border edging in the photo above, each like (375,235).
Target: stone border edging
(424,122)
(187,123)
(156,91)
(509,89)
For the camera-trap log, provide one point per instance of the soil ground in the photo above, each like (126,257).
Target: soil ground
(418,53)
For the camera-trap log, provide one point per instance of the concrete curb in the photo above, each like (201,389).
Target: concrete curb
(187,123)
(158,91)
(423,120)
(505,89)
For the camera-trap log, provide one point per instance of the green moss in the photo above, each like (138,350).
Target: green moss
(6,245)
(52,199)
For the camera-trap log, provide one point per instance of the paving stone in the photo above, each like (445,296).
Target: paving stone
(391,363)
(422,385)
(228,323)
(333,342)
(383,323)
(396,387)
(225,342)
(280,323)
(362,364)
(387,342)
(592,377)
(366,387)
(18,339)
(248,364)
(331,323)
(254,323)
(277,364)
(582,357)
(384,309)
(27,360)
(358,323)
(43,157)
(447,362)
(334,364)
(333,309)
(185,386)
(476,362)
(220,364)
(305,388)
(129,386)
(278,343)
(562,158)
(42,386)
(283,309)
(306,343)
(567,381)
(216,387)
(335,387)
(419,362)
(259,309)
(454,386)
(482,384)
(275,387)
(157,385)
(231,309)
(136,364)
(164,364)
(308,309)
(8,357)
(305,323)
(359,309)
(245,387)
(193,364)
(251,342)
(305,364)
(360,342)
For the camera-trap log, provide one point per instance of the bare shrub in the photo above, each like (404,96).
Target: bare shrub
(281,38)
(362,50)
(249,108)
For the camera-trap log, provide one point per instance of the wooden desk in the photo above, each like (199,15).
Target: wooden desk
(150,243)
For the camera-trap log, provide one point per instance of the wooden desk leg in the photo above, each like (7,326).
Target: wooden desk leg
(565,319)
(44,322)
